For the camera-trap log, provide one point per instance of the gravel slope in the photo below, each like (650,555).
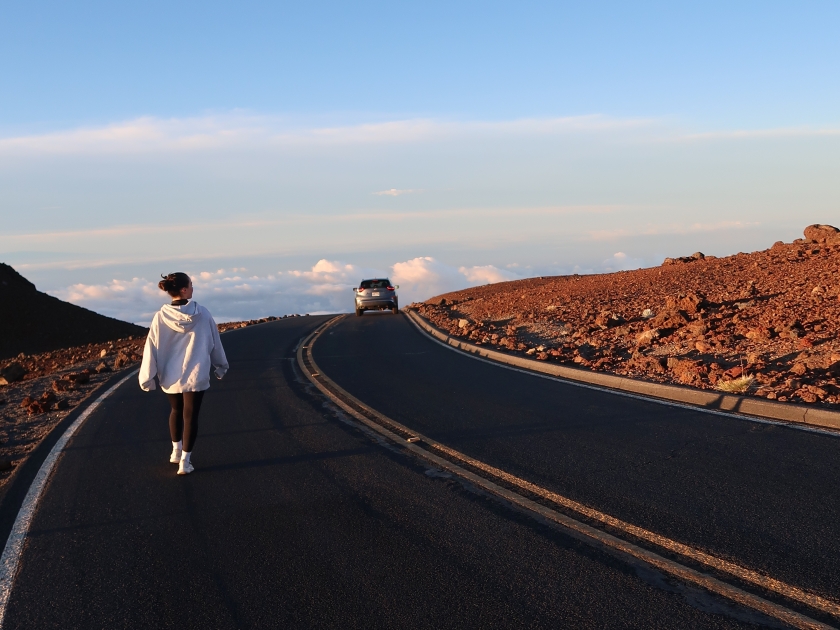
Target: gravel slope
(763,323)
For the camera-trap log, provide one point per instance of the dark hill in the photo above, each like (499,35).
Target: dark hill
(31,321)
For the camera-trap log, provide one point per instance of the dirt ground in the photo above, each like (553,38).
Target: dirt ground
(54,384)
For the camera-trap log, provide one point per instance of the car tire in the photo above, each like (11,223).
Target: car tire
(359,312)
(395,310)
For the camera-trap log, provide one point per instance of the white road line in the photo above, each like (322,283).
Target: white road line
(660,401)
(10,560)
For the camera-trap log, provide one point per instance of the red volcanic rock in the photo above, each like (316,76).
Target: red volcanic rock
(822,233)
(11,373)
(692,302)
(61,385)
(770,314)
(78,377)
(124,358)
(684,259)
(647,364)
(734,372)
(43,404)
(670,319)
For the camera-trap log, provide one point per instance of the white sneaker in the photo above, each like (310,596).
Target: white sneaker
(175,457)
(185,468)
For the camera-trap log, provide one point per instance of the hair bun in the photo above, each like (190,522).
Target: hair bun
(166,284)
(174,282)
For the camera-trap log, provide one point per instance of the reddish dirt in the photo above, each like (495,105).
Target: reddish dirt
(699,320)
(53,385)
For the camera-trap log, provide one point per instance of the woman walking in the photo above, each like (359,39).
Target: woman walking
(182,347)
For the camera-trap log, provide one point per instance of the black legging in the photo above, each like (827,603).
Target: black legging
(183,419)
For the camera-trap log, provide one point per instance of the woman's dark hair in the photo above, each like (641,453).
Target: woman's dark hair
(174,282)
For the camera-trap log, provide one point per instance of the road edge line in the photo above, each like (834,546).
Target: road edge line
(742,407)
(10,559)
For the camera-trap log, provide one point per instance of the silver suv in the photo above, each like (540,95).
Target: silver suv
(377,294)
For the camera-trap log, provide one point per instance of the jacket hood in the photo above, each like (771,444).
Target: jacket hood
(181,318)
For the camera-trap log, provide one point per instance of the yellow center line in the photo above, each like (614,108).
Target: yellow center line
(748,575)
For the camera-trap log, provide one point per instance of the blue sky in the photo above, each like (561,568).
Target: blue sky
(731,65)
(525,138)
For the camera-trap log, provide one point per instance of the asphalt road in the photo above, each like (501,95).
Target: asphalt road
(765,496)
(296,518)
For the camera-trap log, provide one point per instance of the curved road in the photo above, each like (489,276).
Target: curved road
(766,496)
(296,517)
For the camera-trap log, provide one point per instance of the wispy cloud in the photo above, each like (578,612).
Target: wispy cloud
(29,239)
(142,135)
(665,229)
(396,192)
(149,134)
(780,132)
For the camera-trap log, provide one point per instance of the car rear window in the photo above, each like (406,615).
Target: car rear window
(375,284)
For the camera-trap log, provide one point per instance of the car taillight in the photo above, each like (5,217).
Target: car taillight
(390,288)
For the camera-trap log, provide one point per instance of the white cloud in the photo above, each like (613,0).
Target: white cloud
(249,229)
(134,300)
(665,229)
(236,129)
(325,288)
(149,134)
(229,294)
(143,135)
(622,262)
(487,274)
(395,192)
(425,277)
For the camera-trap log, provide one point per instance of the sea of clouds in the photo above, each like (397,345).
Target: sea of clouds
(233,294)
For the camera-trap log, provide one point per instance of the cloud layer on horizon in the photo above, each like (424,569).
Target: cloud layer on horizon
(232,294)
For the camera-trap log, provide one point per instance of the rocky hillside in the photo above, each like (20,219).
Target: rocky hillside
(764,323)
(34,322)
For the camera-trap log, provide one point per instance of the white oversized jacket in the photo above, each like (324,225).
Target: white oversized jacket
(182,346)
